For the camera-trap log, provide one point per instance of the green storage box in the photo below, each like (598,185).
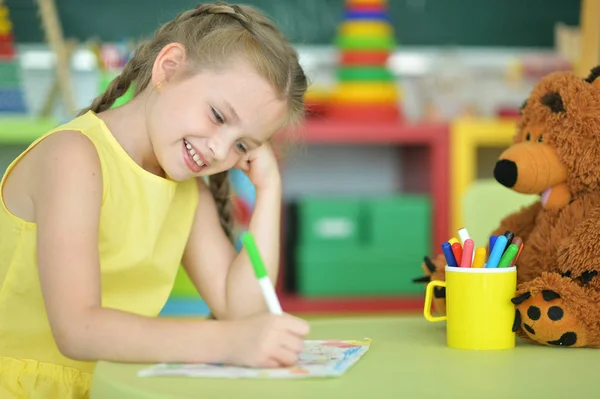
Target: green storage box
(401,221)
(330,221)
(358,270)
(380,256)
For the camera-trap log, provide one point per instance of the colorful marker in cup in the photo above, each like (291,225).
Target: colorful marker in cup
(448,254)
(496,252)
(509,237)
(492,242)
(266,285)
(508,256)
(518,241)
(467,253)
(464,236)
(457,251)
(479,259)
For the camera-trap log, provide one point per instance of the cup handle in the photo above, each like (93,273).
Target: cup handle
(429,298)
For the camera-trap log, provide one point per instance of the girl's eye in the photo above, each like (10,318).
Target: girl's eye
(217,115)
(241,147)
(528,136)
(540,139)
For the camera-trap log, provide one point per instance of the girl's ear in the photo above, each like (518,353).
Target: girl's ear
(594,76)
(168,62)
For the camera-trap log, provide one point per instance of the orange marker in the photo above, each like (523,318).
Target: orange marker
(457,251)
(519,242)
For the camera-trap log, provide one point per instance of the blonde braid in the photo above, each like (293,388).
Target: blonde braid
(220,188)
(121,83)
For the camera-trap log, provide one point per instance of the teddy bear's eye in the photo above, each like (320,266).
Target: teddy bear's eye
(528,136)
(540,138)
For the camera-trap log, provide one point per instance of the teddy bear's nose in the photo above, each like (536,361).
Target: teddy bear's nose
(505,172)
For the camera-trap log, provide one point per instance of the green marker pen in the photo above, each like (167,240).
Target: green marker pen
(261,274)
(508,255)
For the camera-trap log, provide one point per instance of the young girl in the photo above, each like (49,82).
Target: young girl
(98,214)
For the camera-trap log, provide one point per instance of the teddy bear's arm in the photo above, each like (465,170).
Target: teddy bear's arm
(561,309)
(521,223)
(578,256)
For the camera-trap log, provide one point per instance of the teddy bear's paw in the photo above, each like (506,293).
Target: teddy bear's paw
(434,270)
(582,279)
(544,317)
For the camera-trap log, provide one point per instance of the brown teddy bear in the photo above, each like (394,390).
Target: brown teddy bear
(555,153)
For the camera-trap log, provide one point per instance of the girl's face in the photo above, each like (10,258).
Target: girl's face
(209,122)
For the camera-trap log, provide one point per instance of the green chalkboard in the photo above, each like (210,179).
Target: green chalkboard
(515,23)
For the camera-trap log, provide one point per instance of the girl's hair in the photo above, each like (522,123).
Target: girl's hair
(212,34)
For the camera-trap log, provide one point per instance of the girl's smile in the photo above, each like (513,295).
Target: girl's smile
(193,158)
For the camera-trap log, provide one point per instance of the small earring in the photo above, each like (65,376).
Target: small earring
(158,85)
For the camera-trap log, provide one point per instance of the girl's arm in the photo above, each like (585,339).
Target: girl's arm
(224,278)
(66,189)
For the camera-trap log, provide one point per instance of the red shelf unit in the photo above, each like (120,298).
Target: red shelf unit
(425,149)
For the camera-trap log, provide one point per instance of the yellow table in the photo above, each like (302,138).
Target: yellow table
(408,359)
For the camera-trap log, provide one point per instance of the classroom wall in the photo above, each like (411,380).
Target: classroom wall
(499,23)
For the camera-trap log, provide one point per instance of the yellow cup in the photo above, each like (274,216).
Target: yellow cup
(479,313)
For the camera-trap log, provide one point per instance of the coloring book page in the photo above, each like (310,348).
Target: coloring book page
(320,358)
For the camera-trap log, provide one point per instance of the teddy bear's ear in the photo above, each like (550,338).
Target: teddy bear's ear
(554,101)
(594,76)
(522,108)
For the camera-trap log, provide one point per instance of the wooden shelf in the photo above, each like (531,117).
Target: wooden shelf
(327,305)
(429,152)
(433,136)
(341,132)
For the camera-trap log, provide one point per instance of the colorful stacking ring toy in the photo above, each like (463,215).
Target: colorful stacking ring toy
(366,28)
(366,90)
(371,92)
(367,74)
(361,43)
(364,58)
(357,15)
(365,112)
(351,4)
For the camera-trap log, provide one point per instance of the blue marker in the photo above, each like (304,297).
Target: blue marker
(497,251)
(447,250)
(492,242)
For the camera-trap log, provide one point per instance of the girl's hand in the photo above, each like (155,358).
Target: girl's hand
(265,340)
(260,165)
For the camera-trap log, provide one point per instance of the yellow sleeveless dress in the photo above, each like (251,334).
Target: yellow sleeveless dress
(144,227)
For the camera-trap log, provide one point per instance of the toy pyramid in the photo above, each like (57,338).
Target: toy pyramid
(12,98)
(366,88)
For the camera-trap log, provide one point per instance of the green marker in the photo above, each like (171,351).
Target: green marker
(261,274)
(508,255)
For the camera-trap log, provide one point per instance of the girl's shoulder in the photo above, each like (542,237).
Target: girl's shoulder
(64,163)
